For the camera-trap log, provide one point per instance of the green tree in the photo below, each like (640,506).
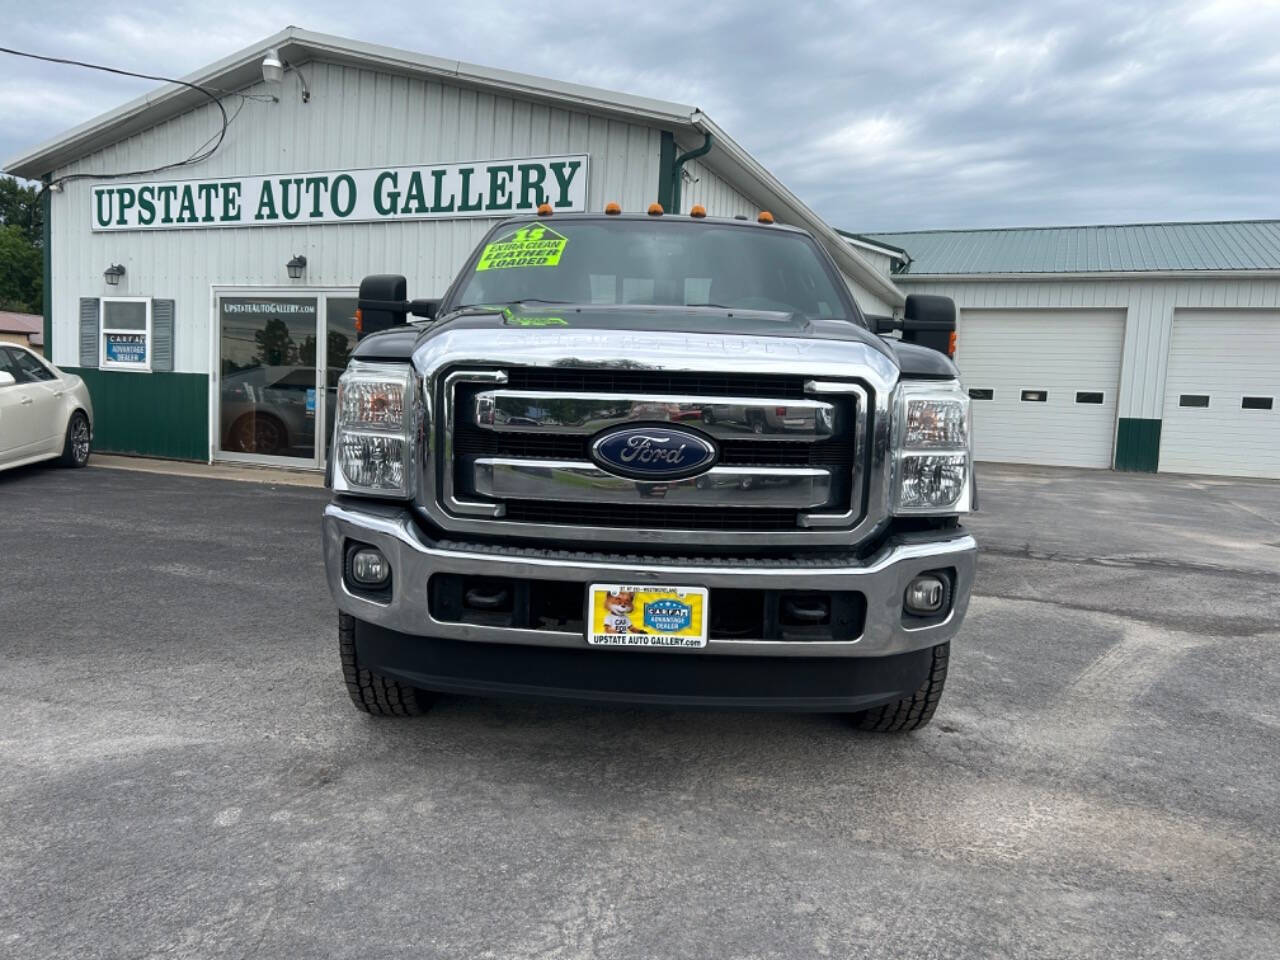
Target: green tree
(20,207)
(276,347)
(21,264)
(21,272)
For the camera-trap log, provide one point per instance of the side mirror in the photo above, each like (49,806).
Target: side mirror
(424,308)
(931,322)
(6,379)
(382,303)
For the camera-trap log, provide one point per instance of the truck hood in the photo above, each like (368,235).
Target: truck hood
(399,344)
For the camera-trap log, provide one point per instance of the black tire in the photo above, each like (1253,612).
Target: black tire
(78,442)
(258,433)
(372,692)
(915,711)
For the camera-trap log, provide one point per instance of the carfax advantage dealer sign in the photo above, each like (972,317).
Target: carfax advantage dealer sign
(488,188)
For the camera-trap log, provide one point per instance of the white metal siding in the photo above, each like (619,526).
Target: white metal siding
(1059,352)
(868,301)
(1150,305)
(715,193)
(356,118)
(1226,355)
(881,261)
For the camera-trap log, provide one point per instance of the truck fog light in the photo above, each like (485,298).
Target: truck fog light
(369,567)
(925,595)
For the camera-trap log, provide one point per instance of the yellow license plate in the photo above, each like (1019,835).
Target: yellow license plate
(646,616)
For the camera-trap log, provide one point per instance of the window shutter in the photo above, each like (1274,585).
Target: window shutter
(88,332)
(162,335)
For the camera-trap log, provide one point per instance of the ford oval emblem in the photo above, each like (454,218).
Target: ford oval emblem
(654,453)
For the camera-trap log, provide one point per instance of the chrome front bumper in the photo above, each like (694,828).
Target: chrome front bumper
(882,579)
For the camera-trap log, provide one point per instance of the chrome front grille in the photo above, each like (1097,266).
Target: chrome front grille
(517,450)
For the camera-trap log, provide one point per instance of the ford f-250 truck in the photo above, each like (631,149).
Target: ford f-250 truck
(553,486)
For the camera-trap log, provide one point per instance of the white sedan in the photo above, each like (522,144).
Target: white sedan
(44,413)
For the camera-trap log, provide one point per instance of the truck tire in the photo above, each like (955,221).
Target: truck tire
(372,692)
(915,711)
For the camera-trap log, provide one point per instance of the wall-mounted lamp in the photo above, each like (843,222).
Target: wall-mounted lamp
(113,274)
(296,266)
(273,67)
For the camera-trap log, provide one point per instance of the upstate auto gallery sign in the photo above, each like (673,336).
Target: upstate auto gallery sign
(489,188)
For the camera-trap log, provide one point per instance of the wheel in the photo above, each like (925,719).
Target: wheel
(75,448)
(257,433)
(372,692)
(915,711)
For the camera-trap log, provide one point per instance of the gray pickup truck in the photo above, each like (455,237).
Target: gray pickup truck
(554,484)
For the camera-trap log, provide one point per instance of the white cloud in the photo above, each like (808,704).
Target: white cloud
(945,113)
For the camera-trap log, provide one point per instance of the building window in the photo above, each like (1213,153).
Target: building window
(976,393)
(124,334)
(1088,396)
(1035,396)
(1256,403)
(1193,400)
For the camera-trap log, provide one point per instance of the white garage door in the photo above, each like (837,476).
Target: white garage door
(1222,394)
(1043,383)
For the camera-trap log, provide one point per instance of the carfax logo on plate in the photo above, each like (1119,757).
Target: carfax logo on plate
(668,616)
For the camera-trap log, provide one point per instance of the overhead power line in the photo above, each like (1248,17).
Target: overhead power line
(201,153)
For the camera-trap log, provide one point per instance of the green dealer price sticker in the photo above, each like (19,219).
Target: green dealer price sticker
(536,245)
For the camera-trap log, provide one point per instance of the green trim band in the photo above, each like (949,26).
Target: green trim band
(666,157)
(46,241)
(1138,445)
(149,414)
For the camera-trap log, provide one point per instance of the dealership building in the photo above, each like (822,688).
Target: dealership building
(209,305)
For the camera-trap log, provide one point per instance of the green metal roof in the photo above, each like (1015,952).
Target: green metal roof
(1118,248)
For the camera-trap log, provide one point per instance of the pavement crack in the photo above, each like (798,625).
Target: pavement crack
(1026,552)
(1220,627)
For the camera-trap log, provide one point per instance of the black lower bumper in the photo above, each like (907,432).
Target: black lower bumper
(626,676)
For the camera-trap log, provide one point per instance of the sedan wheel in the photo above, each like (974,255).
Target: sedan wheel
(78,441)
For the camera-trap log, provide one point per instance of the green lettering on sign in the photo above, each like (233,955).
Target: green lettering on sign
(385,194)
(290,207)
(414,199)
(187,205)
(266,203)
(535,245)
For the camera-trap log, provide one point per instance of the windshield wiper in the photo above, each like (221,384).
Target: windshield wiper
(718,306)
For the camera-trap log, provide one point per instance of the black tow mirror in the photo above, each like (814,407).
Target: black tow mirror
(382,303)
(425,308)
(927,320)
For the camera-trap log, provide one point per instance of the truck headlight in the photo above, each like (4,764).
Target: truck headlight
(373,436)
(933,457)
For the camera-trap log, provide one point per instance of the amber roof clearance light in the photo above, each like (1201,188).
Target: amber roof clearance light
(613,209)
(655,210)
(765,217)
(544,209)
(698,211)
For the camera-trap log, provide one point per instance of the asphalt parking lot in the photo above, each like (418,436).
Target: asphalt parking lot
(183,774)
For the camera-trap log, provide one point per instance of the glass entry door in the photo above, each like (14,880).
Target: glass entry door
(279,359)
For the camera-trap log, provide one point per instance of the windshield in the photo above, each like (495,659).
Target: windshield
(653,263)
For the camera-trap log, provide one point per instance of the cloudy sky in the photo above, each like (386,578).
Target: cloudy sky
(881,116)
